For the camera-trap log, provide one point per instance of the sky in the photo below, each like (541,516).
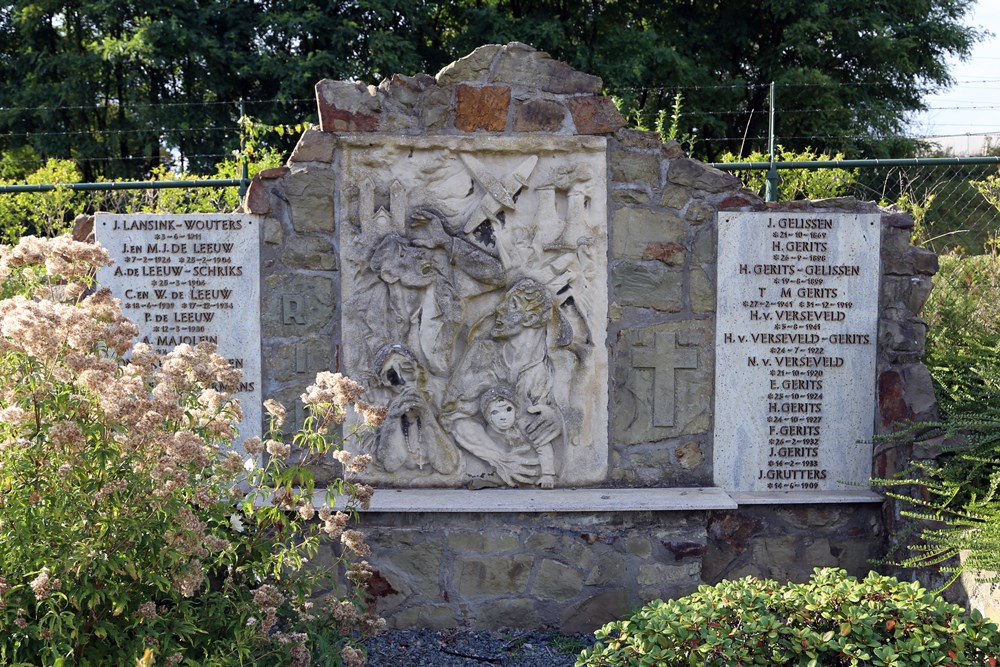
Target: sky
(972,105)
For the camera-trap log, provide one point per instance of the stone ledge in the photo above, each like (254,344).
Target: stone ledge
(555,500)
(808,497)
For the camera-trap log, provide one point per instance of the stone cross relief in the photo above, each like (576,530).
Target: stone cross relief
(664,358)
(476,311)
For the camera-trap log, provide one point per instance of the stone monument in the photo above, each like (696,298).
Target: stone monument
(473,283)
(612,373)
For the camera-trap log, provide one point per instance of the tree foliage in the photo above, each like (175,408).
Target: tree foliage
(129,85)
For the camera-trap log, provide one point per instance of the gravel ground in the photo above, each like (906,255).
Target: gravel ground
(468,648)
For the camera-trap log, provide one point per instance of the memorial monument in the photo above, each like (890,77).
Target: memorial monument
(612,373)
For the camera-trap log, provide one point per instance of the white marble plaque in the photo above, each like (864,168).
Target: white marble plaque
(475,306)
(795,348)
(188,279)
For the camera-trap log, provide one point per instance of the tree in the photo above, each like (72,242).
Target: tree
(847,72)
(125,86)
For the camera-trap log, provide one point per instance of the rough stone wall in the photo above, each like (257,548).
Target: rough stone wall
(574,571)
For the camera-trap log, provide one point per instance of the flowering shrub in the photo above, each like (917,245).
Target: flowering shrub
(126,528)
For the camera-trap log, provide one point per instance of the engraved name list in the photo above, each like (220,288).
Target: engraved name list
(796,330)
(190,279)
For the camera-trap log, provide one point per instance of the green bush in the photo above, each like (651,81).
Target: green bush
(963,337)
(831,620)
(797,183)
(126,529)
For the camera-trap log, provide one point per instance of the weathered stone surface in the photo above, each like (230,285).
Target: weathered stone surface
(422,564)
(482,108)
(274,234)
(699,213)
(703,248)
(641,387)
(406,91)
(473,67)
(738,201)
(540,542)
(733,530)
(891,398)
(309,252)
(539,116)
(818,554)
(691,173)
(641,139)
(638,546)
(257,200)
(920,289)
(634,230)
(671,253)
(675,196)
(610,567)
(310,193)
(294,305)
(493,576)
(429,616)
(672,150)
(595,115)
(522,65)
(899,220)
(505,613)
(630,196)
(435,109)
(924,261)
(919,390)
(689,455)
(647,285)
(780,556)
(299,361)
(902,336)
(314,146)
(702,292)
(489,543)
(663,574)
(595,611)
(83,228)
(631,167)
(345,106)
(577,551)
(556,581)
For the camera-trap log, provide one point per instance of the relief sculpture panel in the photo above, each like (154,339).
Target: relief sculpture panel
(475,307)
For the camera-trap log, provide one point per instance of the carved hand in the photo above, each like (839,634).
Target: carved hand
(544,426)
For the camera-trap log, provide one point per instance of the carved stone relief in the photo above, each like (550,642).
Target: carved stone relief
(475,306)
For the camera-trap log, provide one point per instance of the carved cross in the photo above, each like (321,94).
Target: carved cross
(664,358)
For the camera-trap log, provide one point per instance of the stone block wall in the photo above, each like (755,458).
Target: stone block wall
(574,571)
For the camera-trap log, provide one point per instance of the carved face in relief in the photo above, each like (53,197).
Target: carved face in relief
(395,260)
(500,413)
(526,305)
(397,366)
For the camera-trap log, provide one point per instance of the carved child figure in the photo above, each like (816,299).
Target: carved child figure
(503,427)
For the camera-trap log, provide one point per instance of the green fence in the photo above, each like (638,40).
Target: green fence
(950,198)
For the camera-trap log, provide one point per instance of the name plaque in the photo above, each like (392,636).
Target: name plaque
(795,350)
(189,279)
